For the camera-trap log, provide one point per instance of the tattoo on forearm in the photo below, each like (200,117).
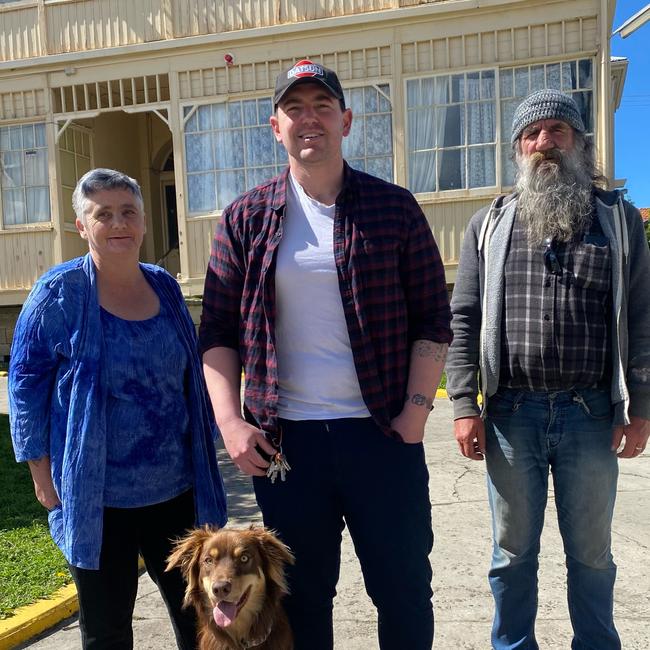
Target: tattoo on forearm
(419,400)
(430,349)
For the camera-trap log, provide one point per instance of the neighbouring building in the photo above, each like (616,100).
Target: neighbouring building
(177,93)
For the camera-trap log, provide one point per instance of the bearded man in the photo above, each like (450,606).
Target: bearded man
(551,323)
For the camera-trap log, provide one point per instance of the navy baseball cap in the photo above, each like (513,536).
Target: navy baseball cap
(307,71)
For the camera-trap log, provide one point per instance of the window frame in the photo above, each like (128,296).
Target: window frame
(501,144)
(28,225)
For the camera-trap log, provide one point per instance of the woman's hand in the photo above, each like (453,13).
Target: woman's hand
(43,485)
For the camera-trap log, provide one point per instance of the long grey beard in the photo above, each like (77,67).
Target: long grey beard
(554,195)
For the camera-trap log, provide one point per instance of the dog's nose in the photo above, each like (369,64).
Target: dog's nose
(221,588)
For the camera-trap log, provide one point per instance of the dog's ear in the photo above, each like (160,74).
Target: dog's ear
(186,555)
(275,555)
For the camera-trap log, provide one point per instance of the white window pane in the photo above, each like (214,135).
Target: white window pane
(458,88)
(354,145)
(205,118)
(481,170)
(569,77)
(4,139)
(12,167)
(384,102)
(229,149)
(234,114)
(506,84)
(473,86)
(412,93)
(537,81)
(427,92)
(442,90)
(381,167)
(281,154)
(357,163)
(219,116)
(355,99)
(250,112)
(13,204)
(201,192)
(487,84)
(507,113)
(553,76)
(422,172)
(15,137)
(452,169)
(421,129)
(36,167)
(264,110)
(198,152)
(522,87)
(259,146)
(230,184)
(370,100)
(192,125)
(481,123)
(39,132)
(28,136)
(38,204)
(379,137)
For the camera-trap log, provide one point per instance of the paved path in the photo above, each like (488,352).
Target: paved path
(460,559)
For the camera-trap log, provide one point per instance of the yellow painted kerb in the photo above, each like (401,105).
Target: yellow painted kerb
(30,620)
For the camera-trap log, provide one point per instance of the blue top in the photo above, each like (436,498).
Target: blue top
(148,453)
(58,398)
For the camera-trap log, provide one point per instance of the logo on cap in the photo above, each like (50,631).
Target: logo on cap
(305,68)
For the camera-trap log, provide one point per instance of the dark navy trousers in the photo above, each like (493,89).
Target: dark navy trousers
(346,471)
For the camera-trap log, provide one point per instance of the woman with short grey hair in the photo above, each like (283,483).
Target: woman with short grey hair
(108,408)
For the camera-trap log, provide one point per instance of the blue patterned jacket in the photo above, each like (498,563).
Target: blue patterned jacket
(57,402)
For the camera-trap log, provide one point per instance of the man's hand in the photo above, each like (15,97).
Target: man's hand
(410,425)
(636,437)
(470,436)
(242,441)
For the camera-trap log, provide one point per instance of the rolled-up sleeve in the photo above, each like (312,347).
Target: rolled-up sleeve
(35,357)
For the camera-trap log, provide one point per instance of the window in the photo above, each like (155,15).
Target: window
(75,157)
(24,183)
(572,77)
(369,146)
(229,148)
(451,129)
(452,121)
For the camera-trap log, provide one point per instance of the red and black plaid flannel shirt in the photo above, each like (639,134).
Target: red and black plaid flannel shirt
(391,279)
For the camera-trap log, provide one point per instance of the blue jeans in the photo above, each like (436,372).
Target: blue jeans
(569,433)
(347,471)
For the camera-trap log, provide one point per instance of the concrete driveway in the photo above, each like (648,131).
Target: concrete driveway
(460,560)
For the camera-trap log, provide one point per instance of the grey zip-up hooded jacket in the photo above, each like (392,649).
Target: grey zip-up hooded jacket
(477,306)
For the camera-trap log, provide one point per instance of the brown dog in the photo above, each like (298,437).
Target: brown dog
(235,582)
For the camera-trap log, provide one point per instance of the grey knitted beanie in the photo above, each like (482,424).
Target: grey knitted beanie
(546,104)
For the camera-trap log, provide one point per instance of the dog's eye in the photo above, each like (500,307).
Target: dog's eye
(208,559)
(243,558)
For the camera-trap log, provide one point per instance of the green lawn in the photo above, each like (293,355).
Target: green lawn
(31,566)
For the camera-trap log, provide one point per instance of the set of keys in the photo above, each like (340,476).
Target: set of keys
(279,466)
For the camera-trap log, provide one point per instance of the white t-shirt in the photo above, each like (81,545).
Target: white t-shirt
(317,377)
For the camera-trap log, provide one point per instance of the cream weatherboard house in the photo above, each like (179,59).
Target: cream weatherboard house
(177,93)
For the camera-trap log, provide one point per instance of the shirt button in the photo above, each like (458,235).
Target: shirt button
(547,317)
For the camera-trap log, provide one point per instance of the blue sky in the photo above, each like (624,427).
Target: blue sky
(632,126)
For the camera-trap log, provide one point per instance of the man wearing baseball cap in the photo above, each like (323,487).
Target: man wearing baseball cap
(551,320)
(325,284)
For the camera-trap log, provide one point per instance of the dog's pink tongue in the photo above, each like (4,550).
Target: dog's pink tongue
(224,613)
